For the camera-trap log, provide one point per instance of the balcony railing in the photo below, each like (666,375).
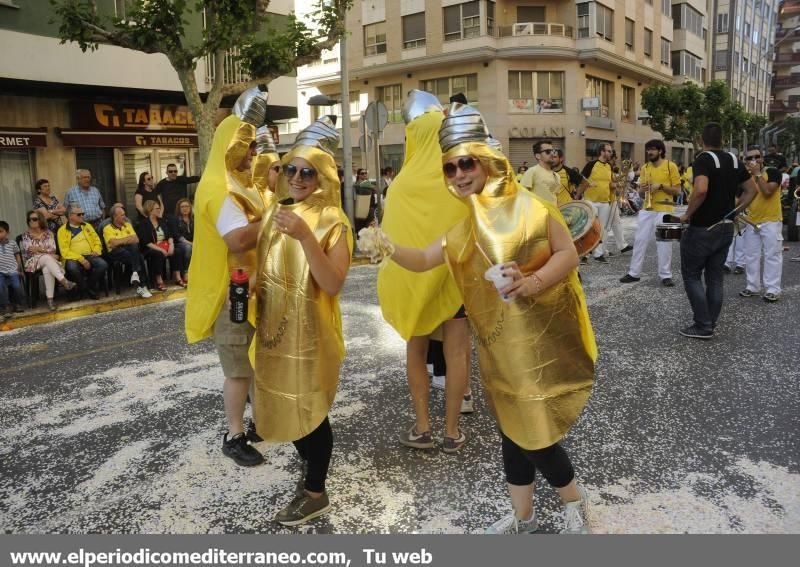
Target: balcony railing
(787,58)
(790,81)
(233,71)
(535,28)
(778,106)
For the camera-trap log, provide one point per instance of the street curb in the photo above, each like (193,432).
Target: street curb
(111,304)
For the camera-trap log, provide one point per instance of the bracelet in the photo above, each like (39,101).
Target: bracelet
(537,281)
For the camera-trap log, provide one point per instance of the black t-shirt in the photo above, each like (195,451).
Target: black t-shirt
(723,183)
(148,195)
(174,191)
(777,161)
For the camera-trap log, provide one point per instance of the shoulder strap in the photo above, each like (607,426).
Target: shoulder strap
(735,160)
(713,156)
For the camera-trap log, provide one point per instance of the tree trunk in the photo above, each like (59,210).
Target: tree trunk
(204,122)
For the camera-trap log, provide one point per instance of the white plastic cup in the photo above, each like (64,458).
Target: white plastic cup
(495,275)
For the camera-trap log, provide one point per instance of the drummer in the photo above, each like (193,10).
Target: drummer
(570,180)
(661,178)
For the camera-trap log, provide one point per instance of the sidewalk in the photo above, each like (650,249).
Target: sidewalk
(127,299)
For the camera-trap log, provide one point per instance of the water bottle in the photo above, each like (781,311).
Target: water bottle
(238,293)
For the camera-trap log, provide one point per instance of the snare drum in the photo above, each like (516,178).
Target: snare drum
(669,231)
(583,225)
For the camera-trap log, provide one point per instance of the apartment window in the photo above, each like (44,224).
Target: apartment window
(375,38)
(391,96)
(583,20)
(628,104)
(446,87)
(462,21)
(629,34)
(414,30)
(602,90)
(626,150)
(666,48)
(604,22)
(687,18)
(648,43)
(722,23)
(747,29)
(536,91)
(721,60)
(751,106)
(490,17)
(666,7)
(687,65)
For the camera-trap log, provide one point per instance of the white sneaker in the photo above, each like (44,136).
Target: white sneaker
(510,525)
(576,515)
(438,382)
(135,278)
(143,292)
(430,369)
(468,404)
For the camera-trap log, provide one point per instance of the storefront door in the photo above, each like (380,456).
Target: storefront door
(16,189)
(134,163)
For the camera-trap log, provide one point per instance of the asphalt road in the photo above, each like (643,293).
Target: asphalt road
(112,423)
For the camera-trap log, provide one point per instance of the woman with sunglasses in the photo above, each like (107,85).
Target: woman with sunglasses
(38,246)
(304,255)
(146,191)
(535,343)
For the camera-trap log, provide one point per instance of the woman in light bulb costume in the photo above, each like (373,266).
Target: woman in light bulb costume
(304,254)
(536,349)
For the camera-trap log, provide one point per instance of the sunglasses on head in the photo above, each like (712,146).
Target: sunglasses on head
(465,164)
(752,158)
(306,173)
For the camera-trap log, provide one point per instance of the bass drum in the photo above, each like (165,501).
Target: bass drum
(584,227)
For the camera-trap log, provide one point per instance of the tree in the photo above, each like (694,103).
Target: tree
(679,113)
(267,49)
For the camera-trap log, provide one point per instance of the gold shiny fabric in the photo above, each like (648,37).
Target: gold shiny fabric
(536,354)
(298,347)
(418,210)
(209,274)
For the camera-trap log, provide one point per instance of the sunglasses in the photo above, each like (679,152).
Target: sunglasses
(306,173)
(465,164)
(752,158)
(78,214)
(172,171)
(33,219)
(548,151)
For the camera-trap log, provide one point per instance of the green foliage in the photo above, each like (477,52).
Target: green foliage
(791,135)
(680,112)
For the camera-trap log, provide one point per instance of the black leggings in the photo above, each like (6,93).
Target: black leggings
(521,464)
(316,449)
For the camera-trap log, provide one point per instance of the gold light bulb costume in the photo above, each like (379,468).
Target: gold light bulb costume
(299,346)
(418,206)
(536,354)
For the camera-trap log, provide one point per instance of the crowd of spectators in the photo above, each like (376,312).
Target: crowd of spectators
(78,242)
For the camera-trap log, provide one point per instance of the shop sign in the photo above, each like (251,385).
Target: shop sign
(536,132)
(21,138)
(115,116)
(83,139)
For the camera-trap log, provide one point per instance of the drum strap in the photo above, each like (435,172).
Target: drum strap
(716,159)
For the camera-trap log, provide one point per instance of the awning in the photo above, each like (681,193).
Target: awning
(21,138)
(129,139)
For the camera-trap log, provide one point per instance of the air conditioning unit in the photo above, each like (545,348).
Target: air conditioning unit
(525,28)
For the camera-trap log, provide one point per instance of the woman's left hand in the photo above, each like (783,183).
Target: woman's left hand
(291,225)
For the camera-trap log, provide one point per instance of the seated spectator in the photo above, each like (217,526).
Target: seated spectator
(80,250)
(107,221)
(49,206)
(185,233)
(10,273)
(39,253)
(157,244)
(145,192)
(123,247)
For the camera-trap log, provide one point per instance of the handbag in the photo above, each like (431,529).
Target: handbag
(164,245)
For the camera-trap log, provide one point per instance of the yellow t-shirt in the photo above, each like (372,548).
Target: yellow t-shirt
(542,182)
(666,174)
(767,209)
(80,245)
(564,195)
(600,176)
(111,232)
(688,178)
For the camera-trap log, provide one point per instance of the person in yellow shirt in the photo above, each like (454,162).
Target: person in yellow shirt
(659,177)
(80,250)
(123,247)
(599,174)
(541,180)
(765,210)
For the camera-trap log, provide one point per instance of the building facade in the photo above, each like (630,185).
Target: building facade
(741,50)
(786,77)
(113,111)
(571,72)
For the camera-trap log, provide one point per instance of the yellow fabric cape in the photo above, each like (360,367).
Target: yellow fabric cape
(419,210)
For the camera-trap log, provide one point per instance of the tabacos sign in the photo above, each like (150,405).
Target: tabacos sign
(115,116)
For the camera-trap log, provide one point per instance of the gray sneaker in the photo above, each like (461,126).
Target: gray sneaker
(302,509)
(416,440)
(510,525)
(576,515)
(452,445)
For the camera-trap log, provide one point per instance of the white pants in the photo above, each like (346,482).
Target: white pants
(770,240)
(52,272)
(736,250)
(616,227)
(602,210)
(645,234)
